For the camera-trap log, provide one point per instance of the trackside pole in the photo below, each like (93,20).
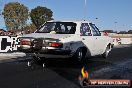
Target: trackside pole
(85,9)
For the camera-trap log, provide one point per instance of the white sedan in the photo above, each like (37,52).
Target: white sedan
(62,39)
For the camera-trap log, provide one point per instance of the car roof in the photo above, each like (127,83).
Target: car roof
(81,21)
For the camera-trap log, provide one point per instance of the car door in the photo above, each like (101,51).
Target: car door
(87,38)
(99,42)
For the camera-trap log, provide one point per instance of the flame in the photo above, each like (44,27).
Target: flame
(84,73)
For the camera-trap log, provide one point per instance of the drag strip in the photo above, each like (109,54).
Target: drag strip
(60,73)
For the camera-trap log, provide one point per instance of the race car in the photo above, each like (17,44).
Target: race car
(65,39)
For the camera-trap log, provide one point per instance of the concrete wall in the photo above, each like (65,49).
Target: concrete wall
(114,34)
(126,40)
(123,38)
(117,41)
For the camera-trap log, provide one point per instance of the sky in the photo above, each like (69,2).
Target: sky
(106,14)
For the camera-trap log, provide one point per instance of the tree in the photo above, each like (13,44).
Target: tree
(30,27)
(130,32)
(122,32)
(109,31)
(40,15)
(15,15)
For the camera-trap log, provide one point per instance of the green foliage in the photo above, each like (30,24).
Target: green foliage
(15,15)
(30,27)
(109,31)
(130,32)
(125,32)
(40,15)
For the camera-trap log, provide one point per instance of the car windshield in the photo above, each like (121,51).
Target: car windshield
(58,28)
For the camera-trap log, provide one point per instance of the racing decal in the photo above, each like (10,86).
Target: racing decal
(8,43)
(85,29)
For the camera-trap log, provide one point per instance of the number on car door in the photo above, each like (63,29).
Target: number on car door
(86,36)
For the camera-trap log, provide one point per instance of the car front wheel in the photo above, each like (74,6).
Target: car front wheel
(107,50)
(80,55)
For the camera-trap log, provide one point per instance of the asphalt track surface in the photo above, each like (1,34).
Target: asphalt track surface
(59,73)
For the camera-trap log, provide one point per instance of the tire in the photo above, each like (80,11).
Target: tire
(80,55)
(119,43)
(107,50)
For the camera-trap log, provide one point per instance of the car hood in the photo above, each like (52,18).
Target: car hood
(46,35)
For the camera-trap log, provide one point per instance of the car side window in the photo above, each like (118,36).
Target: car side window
(85,30)
(95,30)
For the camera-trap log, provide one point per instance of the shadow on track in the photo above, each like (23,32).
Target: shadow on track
(71,70)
